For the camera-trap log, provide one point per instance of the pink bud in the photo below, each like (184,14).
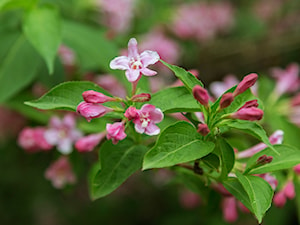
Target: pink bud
(189,200)
(229,209)
(277,137)
(88,143)
(226,100)
(248,104)
(95,97)
(143,97)
(279,199)
(91,110)
(131,113)
(116,132)
(264,159)
(203,129)
(247,82)
(296,100)
(297,169)
(201,95)
(251,114)
(289,190)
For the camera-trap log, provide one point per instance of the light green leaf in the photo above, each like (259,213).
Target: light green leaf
(178,143)
(18,68)
(65,95)
(176,99)
(289,157)
(43,29)
(118,162)
(188,79)
(260,194)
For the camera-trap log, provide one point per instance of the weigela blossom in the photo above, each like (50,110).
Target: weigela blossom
(62,133)
(135,64)
(96,97)
(201,95)
(146,119)
(247,82)
(60,173)
(89,142)
(115,132)
(91,110)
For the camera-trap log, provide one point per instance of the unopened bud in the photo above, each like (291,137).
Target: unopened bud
(203,129)
(91,110)
(264,159)
(95,97)
(143,97)
(131,113)
(226,100)
(249,104)
(201,95)
(251,114)
(247,82)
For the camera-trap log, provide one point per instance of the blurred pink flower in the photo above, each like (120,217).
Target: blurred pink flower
(189,199)
(111,84)
(229,207)
(217,88)
(62,133)
(33,140)
(147,117)
(116,132)
(89,142)
(60,173)
(135,64)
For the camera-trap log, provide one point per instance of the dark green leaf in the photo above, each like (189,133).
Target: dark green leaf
(176,99)
(227,157)
(118,162)
(43,29)
(188,79)
(260,193)
(178,143)
(289,157)
(212,161)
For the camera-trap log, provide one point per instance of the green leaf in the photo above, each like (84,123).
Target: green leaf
(235,188)
(188,79)
(260,193)
(289,157)
(43,29)
(176,99)
(227,157)
(18,68)
(65,95)
(253,129)
(118,162)
(16,4)
(178,143)
(212,161)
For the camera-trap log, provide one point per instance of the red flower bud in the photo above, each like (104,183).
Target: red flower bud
(249,104)
(226,100)
(131,113)
(143,97)
(247,82)
(201,95)
(95,97)
(264,159)
(203,129)
(251,114)
(91,110)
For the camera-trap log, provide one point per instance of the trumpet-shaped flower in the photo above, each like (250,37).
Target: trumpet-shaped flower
(116,132)
(135,64)
(146,119)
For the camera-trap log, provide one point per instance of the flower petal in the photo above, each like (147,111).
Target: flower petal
(152,129)
(138,128)
(51,136)
(65,146)
(133,49)
(120,62)
(132,75)
(149,57)
(156,116)
(148,72)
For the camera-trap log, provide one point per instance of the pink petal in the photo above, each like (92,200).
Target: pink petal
(147,108)
(138,128)
(156,116)
(133,49)
(148,72)
(132,75)
(149,57)
(51,136)
(120,62)
(65,146)
(55,122)
(152,129)
(69,121)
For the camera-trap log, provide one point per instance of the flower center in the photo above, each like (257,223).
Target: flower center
(136,64)
(145,120)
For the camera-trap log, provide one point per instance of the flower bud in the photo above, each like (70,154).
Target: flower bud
(289,190)
(91,110)
(143,97)
(203,129)
(95,97)
(251,114)
(248,104)
(131,113)
(88,143)
(247,82)
(279,199)
(226,100)
(116,132)
(264,159)
(201,95)
(229,208)
(297,169)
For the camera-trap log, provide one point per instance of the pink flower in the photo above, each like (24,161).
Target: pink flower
(297,169)
(116,132)
(111,84)
(131,113)
(287,80)
(89,142)
(189,199)
(33,140)
(135,64)
(217,88)
(96,97)
(60,173)
(147,117)
(203,129)
(289,190)
(226,100)
(279,199)
(247,82)
(201,95)
(62,133)
(229,207)
(251,114)
(91,110)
